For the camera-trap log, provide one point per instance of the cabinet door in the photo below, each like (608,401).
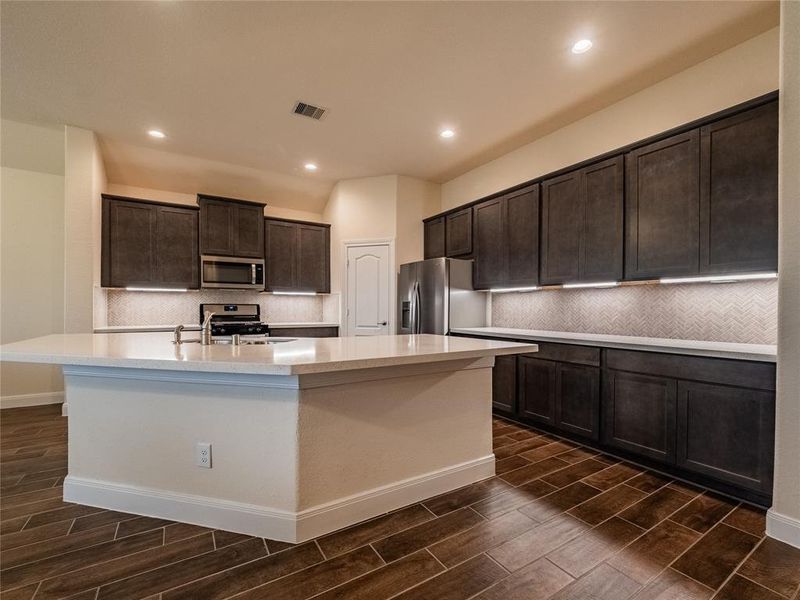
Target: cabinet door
(313,258)
(248,234)
(281,255)
(639,414)
(504,385)
(727,433)
(434,238)
(662,208)
(490,245)
(129,244)
(602,239)
(578,400)
(520,237)
(177,257)
(217,223)
(562,227)
(739,193)
(537,389)
(458,233)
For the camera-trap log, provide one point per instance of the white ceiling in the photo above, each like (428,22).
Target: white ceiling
(221,78)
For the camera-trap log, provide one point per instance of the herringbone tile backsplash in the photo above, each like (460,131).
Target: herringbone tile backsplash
(744,312)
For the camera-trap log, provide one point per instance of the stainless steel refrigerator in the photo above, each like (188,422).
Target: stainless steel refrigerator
(436,296)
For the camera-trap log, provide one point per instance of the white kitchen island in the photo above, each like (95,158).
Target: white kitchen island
(307,436)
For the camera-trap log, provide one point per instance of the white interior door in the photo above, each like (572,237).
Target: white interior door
(368,289)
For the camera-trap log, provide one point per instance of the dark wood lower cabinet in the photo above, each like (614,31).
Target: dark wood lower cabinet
(708,420)
(639,414)
(537,389)
(304,332)
(578,400)
(504,385)
(727,433)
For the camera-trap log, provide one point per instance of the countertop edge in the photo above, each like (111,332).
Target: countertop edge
(656,346)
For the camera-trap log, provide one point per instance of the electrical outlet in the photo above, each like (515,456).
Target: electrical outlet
(202,455)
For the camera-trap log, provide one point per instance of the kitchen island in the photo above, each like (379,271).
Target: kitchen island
(306,436)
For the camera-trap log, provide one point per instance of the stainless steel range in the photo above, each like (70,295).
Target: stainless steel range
(234,319)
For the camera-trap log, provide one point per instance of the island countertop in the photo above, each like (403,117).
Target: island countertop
(297,357)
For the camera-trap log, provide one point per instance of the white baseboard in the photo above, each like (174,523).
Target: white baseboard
(783,528)
(41,399)
(263,521)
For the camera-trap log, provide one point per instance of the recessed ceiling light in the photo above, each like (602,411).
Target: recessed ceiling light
(447,133)
(310,167)
(156,134)
(581,46)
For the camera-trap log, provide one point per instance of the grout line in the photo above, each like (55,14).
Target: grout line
(761,585)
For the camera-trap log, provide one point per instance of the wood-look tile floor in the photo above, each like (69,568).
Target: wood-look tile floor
(558,521)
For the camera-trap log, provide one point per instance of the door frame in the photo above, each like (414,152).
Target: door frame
(346,245)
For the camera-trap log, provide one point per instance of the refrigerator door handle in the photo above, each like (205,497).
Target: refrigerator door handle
(418,310)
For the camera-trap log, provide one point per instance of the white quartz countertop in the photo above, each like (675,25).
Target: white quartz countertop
(303,355)
(196,327)
(758,352)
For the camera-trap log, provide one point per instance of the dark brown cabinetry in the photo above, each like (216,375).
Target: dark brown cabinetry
(639,414)
(297,256)
(230,227)
(506,240)
(537,389)
(434,238)
(739,193)
(504,385)
(582,216)
(727,433)
(148,244)
(458,233)
(301,332)
(560,386)
(662,214)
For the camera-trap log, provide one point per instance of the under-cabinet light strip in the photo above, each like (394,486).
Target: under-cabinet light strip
(155,289)
(600,284)
(719,278)
(516,289)
(294,293)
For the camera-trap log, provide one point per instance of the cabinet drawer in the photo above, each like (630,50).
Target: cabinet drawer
(581,355)
(739,373)
(304,331)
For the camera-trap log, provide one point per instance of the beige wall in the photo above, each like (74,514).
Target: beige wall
(191,200)
(784,518)
(31,252)
(738,74)
(416,199)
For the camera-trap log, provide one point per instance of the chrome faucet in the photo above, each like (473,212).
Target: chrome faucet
(205,332)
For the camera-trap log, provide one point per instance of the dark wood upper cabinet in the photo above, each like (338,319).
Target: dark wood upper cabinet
(662,208)
(148,244)
(313,257)
(177,256)
(727,433)
(297,256)
(521,232)
(603,231)
(563,221)
(230,227)
(506,240)
(434,238)
(489,244)
(739,192)
(458,233)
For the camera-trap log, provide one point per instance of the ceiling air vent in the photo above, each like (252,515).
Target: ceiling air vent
(309,110)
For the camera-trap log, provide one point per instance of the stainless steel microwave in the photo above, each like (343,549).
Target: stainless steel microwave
(231,273)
